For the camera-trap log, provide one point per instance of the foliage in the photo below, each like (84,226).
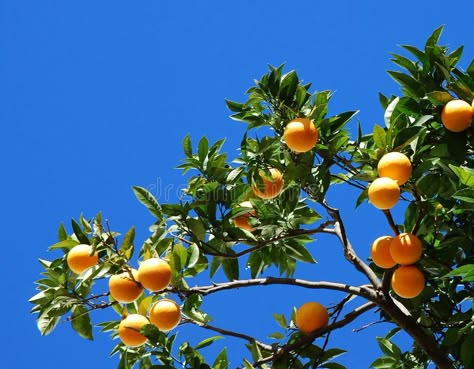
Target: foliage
(196,235)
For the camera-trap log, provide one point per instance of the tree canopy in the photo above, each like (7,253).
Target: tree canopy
(257,214)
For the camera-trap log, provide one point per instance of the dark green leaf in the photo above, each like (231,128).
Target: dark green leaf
(81,322)
(127,244)
(81,236)
(62,234)
(207,342)
(187,146)
(147,199)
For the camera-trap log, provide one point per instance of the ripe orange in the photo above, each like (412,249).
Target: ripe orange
(456,115)
(123,288)
(311,316)
(384,193)
(80,257)
(406,249)
(154,274)
(242,221)
(408,281)
(380,252)
(165,314)
(271,188)
(300,135)
(129,330)
(396,166)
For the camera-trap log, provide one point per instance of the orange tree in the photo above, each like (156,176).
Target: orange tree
(426,290)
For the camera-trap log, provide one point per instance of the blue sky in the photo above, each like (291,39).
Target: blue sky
(96,96)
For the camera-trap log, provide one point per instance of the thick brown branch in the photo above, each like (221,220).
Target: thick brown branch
(422,337)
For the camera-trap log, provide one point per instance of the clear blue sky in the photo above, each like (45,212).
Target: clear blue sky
(96,96)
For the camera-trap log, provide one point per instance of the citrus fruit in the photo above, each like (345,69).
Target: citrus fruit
(165,314)
(396,166)
(242,221)
(311,316)
(123,288)
(300,135)
(406,248)
(408,281)
(456,115)
(271,187)
(154,274)
(81,257)
(380,252)
(384,193)
(129,330)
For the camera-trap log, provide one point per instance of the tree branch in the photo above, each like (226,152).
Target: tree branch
(349,251)
(366,291)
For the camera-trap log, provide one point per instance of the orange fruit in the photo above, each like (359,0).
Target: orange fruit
(408,281)
(380,252)
(406,249)
(384,193)
(154,274)
(311,316)
(81,257)
(456,115)
(242,221)
(129,330)
(165,314)
(396,166)
(271,187)
(300,135)
(123,288)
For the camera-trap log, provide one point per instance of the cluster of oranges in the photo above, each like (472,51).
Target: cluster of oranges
(153,274)
(394,169)
(457,115)
(300,135)
(404,250)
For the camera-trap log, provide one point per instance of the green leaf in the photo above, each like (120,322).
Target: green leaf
(389,348)
(465,175)
(465,271)
(281,320)
(147,199)
(207,342)
(62,234)
(64,244)
(331,354)
(333,366)
(187,146)
(127,244)
(466,195)
(203,149)
(384,362)
(439,97)
(81,236)
(231,268)
(197,228)
(379,136)
(81,322)
(389,111)
(46,323)
(221,361)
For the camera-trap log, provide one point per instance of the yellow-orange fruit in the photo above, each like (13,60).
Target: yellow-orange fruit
(80,257)
(300,135)
(408,281)
(154,274)
(384,193)
(396,166)
(125,289)
(165,314)
(406,249)
(380,252)
(242,221)
(311,316)
(129,330)
(271,187)
(456,115)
